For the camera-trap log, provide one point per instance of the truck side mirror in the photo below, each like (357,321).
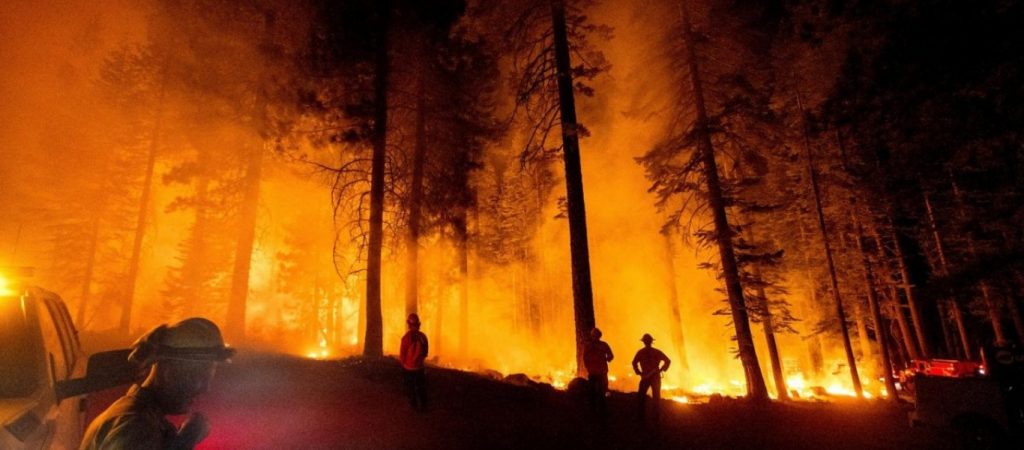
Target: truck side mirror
(104,371)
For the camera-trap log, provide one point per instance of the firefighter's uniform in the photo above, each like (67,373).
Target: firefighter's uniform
(138,420)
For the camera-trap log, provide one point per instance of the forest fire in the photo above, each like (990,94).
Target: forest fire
(771,203)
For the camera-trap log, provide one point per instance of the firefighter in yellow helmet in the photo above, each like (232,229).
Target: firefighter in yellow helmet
(182,358)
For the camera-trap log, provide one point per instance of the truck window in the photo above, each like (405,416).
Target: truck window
(52,341)
(71,324)
(21,362)
(53,307)
(72,332)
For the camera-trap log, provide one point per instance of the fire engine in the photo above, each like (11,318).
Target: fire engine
(983,401)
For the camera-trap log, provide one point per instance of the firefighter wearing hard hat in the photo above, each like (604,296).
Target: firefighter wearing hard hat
(649,363)
(596,356)
(182,359)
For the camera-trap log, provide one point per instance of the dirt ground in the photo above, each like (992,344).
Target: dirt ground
(278,402)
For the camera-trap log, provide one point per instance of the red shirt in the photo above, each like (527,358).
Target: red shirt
(596,356)
(414,350)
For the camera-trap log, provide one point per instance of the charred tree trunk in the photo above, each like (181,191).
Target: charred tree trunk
(768,326)
(949,347)
(773,348)
(583,298)
(373,342)
(90,266)
(140,218)
(876,315)
(676,318)
(862,332)
(840,312)
(993,313)
(952,304)
(438,320)
(1011,303)
(412,238)
(756,389)
(814,347)
(909,344)
(195,271)
(235,324)
(961,328)
(924,344)
(814,341)
(990,305)
(462,243)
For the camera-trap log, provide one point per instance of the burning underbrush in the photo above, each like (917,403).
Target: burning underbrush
(799,388)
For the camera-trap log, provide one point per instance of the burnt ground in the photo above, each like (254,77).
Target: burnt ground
(279,402)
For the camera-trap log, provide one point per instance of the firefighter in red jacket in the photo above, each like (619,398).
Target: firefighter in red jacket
(596,356)
(413,351)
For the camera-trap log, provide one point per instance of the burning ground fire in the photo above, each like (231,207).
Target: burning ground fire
(799,387)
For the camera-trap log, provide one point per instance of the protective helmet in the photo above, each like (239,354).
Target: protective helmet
(647,338)
(596,333)
(414,319)
(194,339)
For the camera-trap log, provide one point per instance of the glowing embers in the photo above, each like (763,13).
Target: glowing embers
(321,352)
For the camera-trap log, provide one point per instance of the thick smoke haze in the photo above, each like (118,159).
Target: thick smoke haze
(73,158)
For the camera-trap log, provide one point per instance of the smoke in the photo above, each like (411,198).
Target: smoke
(70,189)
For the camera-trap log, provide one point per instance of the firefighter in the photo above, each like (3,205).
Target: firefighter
(596,356)
(181,359)
(413,351)
(649,363)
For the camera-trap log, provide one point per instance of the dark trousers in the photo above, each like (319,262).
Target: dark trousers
(416,388)
(598,387)
(653,382)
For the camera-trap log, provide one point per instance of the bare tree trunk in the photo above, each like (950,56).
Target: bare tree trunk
(90,266)
(915,311)
(909,344)
(949,346)
(583,298)
(756,389)
(952,303)
(462,244)
(814,341)
(990,305)
(814,347)
(676,318)
(361,314)
(140,218)
(840,313)
(1011,303)
(412,239)
(768,326)
(876,316)
(862,332)
(962,329)
(235,325)
(773,348)
(438,319)
(993,313)
(373,343)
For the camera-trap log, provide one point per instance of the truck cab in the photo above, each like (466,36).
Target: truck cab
(39,354)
